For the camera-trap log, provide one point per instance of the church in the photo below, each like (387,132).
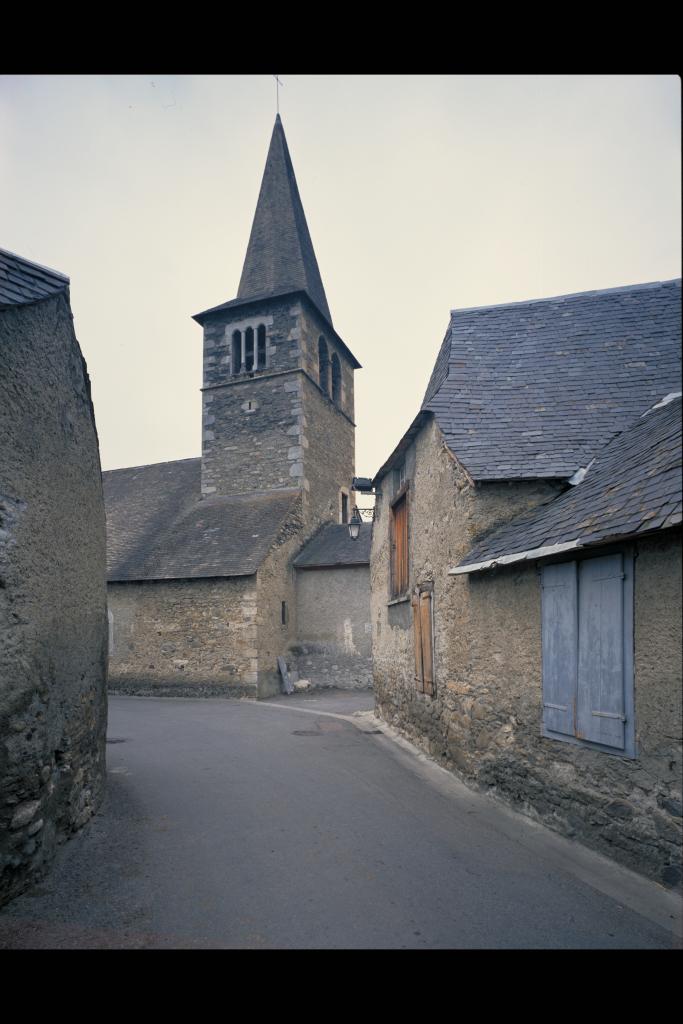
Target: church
(220,565)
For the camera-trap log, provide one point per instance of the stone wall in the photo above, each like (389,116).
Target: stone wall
(184,637)
(275,428)
(334,642)
(275,586)
(329,455)
(250,421)
(53,636)
(484,720)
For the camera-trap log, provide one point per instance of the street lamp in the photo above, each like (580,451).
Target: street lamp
(355,523)
(362,485)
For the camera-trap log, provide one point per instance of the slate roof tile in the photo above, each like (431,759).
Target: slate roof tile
(22,281)
(332,546)
(633,487)
(534,389)
(159,526)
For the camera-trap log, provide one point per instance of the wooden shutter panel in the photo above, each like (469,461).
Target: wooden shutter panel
(427,650)
(600,697)
(400,547)
(559,646)
(417,639)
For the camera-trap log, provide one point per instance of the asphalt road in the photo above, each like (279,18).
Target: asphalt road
(230,824)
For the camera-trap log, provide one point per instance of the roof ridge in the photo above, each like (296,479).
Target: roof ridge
(148,465)
(569,295)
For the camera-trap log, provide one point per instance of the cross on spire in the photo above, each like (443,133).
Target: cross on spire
(278,83)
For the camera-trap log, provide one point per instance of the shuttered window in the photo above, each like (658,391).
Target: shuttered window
(587,644)
(423,632)
(399,546)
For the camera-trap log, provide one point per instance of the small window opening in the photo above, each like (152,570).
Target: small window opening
(261,347)
(283,613)
(324,365)
(336,379)
(249,349)
(236,351)
(344,508)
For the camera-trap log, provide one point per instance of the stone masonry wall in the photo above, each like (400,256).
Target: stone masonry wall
(329,455)
(484,720)
(276,584)
(184,637)
(334,642)
(250,422)
(53,635)
(257,434)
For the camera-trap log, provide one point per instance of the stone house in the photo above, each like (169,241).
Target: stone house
(53,622)
(202,588)
(526,566)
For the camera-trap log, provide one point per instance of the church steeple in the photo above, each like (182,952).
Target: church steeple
(280,255)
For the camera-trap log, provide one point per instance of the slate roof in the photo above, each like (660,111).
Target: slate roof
(22,281)
(158,526)
(280,256)
(633,487)
(332,546)
(533,389)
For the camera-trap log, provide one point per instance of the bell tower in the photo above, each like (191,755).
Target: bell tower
(277,396)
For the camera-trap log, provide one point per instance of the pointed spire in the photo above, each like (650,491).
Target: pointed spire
(280,254)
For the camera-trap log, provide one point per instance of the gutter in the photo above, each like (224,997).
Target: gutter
(517,556)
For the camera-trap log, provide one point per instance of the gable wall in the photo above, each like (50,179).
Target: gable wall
(485,718)
(53,634)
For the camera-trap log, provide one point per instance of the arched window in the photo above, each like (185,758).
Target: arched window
(236,351)
(261,347)
(249,350)
(324,365)
(336,379)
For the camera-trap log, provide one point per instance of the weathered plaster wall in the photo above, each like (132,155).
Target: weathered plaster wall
(53,633)
(484,720)
(184,637)
(334,642)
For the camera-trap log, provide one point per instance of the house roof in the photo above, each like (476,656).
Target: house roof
(632,487)
(158,526)
(533,389)
(332,546)
(22,281)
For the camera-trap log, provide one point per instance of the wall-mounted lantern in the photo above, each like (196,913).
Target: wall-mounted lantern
(355,523)
(364,486)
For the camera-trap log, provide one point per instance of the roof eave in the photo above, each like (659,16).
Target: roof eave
(548,550)
(254,300)
(402,445)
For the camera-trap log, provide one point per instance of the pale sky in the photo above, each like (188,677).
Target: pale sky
(422,194)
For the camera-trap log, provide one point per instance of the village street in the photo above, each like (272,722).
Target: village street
(294,823)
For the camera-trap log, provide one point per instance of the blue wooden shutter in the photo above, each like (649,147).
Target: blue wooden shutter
(600,698)
(559,643)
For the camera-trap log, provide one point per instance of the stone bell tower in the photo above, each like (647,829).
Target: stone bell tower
(278,408)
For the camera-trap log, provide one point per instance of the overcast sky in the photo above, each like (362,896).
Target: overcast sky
(421,193)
